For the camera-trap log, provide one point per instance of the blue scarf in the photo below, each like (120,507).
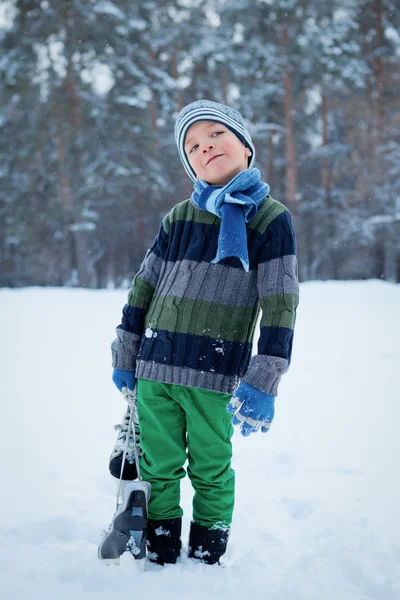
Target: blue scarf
(236,203)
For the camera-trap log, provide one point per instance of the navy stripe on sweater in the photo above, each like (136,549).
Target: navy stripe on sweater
(133,319)
(279,239)
(276,341)
(196,352)
(276,242)
(199,242)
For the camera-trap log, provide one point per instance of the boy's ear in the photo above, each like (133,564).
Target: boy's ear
(248,152)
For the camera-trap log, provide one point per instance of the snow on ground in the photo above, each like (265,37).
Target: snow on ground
(317,510)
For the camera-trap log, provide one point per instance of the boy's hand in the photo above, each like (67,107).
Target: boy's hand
(123,378)
(251,409)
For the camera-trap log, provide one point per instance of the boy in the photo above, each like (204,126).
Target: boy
(185,339)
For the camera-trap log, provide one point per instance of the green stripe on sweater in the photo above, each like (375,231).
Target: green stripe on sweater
(268,210)
(279,310)
(184,315)
(141,293)
(186,211)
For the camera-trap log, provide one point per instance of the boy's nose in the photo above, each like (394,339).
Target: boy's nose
(208,147)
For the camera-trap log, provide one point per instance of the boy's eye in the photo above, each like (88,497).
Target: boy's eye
(217,132)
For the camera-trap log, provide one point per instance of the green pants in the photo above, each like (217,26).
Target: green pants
(179,423)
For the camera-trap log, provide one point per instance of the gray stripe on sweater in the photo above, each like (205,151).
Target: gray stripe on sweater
(278,276)
(184,376)
(265,372)
(209,282)
(150,268)
(124,350)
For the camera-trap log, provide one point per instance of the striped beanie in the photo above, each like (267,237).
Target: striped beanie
(206,110)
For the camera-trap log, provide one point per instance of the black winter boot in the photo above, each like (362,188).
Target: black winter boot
(207,545)
(164,540)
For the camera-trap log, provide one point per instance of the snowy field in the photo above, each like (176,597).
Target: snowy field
(318,498)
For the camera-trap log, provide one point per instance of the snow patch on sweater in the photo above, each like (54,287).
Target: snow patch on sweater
(149,333)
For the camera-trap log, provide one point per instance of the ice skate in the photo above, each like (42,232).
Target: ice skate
(127,531)
(129,472)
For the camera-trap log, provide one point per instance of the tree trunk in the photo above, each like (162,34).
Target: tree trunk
(139,209)
(76,241)
(269,163)
(370,145)
(224,83)
(153,114)
(390,255)
(325,182)
(187,188)
(86,276)
(175,75)
(68,255)
(379,71)
(290,145)
(326,186)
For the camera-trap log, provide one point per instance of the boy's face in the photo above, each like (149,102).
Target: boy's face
(214,152)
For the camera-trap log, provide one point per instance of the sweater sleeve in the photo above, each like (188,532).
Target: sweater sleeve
(125,347)
(278,291)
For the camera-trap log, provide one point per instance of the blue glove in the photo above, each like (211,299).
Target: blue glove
(251,409)
(123,378)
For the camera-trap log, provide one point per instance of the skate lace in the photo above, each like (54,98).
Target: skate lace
(131,412)
(123,429)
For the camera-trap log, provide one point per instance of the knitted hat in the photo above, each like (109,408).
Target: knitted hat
(206,110)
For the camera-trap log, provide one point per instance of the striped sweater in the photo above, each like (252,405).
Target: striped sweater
(190,322)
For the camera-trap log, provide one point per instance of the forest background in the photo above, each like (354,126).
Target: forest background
(89,93)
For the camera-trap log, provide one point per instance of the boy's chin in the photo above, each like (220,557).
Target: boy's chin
(223,179)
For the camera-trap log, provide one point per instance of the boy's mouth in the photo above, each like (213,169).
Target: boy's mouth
(212,158)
